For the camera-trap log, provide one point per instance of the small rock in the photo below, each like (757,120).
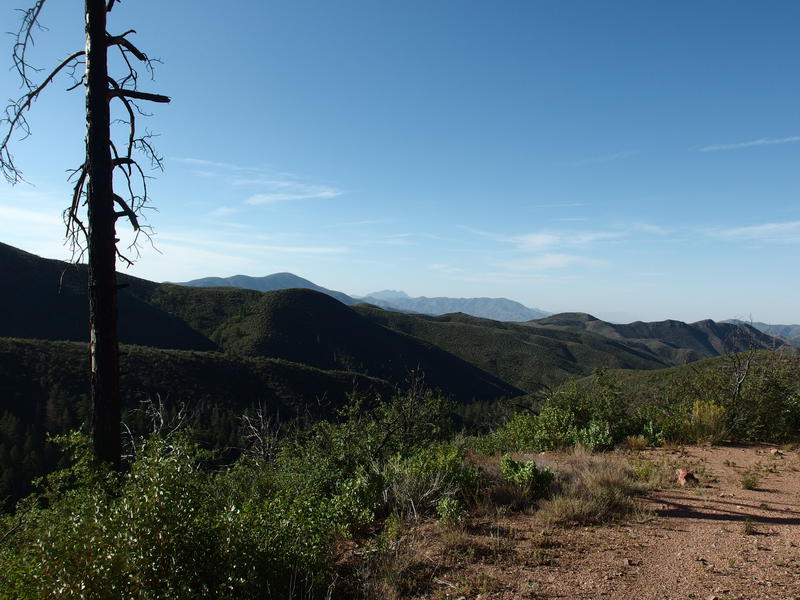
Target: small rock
(626,562)
(776,452)
(713,597)
(687,477)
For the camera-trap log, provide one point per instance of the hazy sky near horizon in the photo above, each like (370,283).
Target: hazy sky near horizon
(634,160)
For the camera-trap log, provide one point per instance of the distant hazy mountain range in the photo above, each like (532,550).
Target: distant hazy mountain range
(789,333)
(497,309)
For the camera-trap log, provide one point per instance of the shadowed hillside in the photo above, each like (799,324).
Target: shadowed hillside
(674,342)
(49,301)
(301,326)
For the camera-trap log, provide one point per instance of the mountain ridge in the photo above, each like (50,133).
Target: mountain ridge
(497,309)
(269,283)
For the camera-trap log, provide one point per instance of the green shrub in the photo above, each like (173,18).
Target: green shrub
(554,428)
(595,436)
(414,485)
(165,529)
(655,436)
(527,475)
(451,512)
(517,434)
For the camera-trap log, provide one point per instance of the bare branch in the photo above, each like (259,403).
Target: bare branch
(126,212)
(119,93)
(120,40)
(15,116)
(24,39)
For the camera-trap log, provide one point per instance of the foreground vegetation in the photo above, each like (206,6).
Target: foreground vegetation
(182,522)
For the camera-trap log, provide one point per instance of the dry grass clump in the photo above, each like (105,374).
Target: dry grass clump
(390,569)
(593,489)
(653,474)
(635,443)
(750,480)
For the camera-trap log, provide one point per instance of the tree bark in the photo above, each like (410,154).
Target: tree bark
(103,342)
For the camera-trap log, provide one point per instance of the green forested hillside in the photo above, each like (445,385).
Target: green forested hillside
(674,342)
(43,390)
(524,354)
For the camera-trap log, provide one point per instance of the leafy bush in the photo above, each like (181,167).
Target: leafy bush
(451,512)
(415,484)
(165,529)
(527,475)
(595,436)
(554,428)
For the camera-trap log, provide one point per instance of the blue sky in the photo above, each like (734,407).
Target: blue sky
(635,160)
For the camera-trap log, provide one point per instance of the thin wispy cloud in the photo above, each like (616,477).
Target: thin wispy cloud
(648,228)
(594,160)
(361,223)
(561,205)
(480,232)
(264,185)
(302,192)
(445,269)
(397,239)
(21,215)
(759,142)
(549,261)
(224,211)
(543,240)
(193,241)
(510,278)
(787,232)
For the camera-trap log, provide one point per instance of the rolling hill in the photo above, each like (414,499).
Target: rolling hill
(674,342)
(297,325)
(522,354)
(269,283)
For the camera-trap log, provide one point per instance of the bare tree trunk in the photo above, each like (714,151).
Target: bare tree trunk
(104,346)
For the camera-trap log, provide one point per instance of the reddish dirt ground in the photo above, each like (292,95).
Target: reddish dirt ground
(715,540)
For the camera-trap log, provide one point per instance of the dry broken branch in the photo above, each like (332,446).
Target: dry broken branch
(119,93)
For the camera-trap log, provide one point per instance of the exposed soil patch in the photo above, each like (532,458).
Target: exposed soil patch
(712,540)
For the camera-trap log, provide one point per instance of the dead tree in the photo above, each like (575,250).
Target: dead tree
(94,208)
